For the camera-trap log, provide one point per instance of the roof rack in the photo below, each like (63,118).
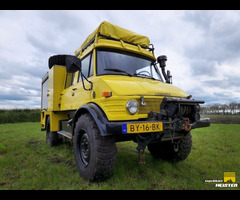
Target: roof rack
(115,39)
(135,44)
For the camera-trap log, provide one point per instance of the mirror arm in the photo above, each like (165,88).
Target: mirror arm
(82,75)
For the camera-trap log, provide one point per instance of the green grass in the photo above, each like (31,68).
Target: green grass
(27,163)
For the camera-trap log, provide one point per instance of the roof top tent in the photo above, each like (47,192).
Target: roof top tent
(114,32)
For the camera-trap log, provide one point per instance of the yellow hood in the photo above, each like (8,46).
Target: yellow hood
(125,86)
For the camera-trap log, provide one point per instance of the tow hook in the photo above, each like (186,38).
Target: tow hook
(142,143)
(141,149)
(186,125)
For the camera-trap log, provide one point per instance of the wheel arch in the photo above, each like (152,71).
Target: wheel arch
(96,113)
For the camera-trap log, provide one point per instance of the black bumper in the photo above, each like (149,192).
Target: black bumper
(203,122)
(116,128)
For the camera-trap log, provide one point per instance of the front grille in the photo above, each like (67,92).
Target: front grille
(115,106)
(151,105)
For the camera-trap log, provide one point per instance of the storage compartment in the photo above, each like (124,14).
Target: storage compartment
(56,83)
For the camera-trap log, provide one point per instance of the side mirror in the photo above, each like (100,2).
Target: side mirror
(73,64)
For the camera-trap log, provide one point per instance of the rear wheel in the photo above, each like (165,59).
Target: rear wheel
(52,138)
(167,150)
(95,155)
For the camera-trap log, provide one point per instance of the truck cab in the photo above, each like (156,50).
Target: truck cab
(114,89)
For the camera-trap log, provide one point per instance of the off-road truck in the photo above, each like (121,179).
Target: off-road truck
(114,89)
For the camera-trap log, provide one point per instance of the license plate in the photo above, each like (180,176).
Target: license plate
(142,127)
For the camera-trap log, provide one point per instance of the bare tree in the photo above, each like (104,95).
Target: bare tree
(233,106)
(230,107)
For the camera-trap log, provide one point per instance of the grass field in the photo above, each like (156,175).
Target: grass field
(26,162)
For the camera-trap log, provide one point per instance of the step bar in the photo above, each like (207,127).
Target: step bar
(65,134)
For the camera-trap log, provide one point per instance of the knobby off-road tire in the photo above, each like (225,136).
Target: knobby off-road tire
(95,155)
(165,150)
(52,138)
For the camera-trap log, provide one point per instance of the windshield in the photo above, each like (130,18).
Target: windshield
(111,62)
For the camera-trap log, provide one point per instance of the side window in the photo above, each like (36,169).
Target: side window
(87,67)
(69,79)
(91,66)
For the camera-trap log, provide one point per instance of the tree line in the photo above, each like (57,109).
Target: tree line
(229,108)
(19,115)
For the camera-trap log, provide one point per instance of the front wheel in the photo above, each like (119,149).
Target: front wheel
(95,155)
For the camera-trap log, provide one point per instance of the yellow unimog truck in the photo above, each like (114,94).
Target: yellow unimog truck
(114,89)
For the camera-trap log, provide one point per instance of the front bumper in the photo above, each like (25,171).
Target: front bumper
(116,128)
(169,126)
(203,122)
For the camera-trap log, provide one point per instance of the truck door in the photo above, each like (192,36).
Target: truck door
(75,95)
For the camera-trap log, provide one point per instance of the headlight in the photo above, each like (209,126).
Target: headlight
(132,107)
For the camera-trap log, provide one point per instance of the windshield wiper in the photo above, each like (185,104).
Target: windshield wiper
(117,70)
(144,76)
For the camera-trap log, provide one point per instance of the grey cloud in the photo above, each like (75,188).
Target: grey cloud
(33,103)
(199,18)
(18,94)
(203,67)
(202,39)
(35,67)
(42,45)
(219,42)
(200,93)
(13,97)
(63,20)
(227,83)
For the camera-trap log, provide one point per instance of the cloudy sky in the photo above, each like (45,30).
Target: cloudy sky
(203,48)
